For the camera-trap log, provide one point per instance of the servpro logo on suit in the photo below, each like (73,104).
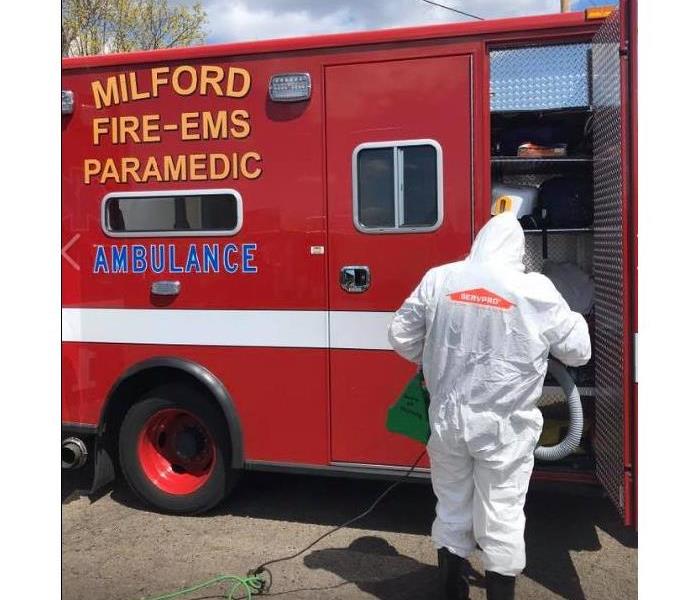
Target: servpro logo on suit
(481,297)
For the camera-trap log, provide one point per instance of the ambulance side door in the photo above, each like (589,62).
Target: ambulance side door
(399,152)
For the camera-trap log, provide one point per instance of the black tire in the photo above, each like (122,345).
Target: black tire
(220,477)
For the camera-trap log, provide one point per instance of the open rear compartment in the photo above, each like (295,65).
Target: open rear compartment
(541,121)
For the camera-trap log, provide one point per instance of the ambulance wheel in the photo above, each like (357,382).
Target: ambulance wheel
(173,451)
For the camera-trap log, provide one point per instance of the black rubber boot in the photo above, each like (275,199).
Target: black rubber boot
(499,587)
(454,584)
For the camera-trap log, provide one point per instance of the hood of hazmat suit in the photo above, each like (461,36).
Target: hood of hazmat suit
(482,328)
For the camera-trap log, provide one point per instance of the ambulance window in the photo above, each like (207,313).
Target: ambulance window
(419,186)
(398,186)
(163,214)
(375,168)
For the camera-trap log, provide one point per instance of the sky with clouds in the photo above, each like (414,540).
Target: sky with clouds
(238,20)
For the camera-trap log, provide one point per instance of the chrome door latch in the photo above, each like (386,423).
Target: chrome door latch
(354,279)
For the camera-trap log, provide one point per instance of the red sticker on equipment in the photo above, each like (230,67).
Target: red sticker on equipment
(481,297)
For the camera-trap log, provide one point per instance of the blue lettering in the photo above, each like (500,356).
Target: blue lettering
(138,259)
(158,260)
(204,258)
(211,257)
(120,259)
(230,266)
(192,263)
(100,261)
(248,258)
(172,265)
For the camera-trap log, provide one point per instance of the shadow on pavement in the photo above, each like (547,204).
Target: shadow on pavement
(332,501)
(377,568)
(560,523)
(70,486)
(557,524)
(317,500)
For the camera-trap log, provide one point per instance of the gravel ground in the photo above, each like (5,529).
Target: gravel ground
(115,549)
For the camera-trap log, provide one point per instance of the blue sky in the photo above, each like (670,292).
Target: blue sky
(237,20)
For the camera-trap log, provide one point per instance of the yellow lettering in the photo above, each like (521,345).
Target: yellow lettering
(184,79)
(91,166)
(105,97)
(150,123)
(97,130)
(214,129)
(113,125)
(156,80)
(234,165)
(129,167)
(109,171)
(211,76)
(151,170)
(241,126)
(186,125)
(122,87)
(177,86)
(128,125)
(180,167)
(244,165)
(174,171)
(197,163)
(225,166)
(233,74)
(134,86)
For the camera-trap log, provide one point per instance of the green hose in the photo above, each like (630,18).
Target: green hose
(259,580)
(251,584)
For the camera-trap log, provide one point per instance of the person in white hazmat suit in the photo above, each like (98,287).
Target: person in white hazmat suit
(482,329)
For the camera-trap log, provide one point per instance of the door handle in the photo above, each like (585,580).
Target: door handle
(354,279)
(165,288)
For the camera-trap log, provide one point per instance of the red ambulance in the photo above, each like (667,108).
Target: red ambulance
(240,222)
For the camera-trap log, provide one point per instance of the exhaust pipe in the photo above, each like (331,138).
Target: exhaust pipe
(73,453)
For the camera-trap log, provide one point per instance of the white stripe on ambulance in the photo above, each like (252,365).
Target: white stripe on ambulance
(215,327)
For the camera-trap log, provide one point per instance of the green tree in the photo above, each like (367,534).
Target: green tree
(104,26)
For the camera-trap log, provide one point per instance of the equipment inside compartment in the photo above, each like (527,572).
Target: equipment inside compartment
(541,168)
(569,128)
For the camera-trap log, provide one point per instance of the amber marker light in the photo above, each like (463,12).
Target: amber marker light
(599,12)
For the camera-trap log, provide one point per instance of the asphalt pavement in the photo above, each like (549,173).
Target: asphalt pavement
(114,548)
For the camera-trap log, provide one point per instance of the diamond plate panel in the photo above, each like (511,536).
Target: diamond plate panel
(553,394)
(561,247)
(608,266)
(540,78)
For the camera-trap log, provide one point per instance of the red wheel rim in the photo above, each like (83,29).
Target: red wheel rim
(176,451)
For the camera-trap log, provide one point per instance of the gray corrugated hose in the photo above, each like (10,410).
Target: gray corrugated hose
(573,399)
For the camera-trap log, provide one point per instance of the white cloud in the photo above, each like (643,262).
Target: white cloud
(237,20)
